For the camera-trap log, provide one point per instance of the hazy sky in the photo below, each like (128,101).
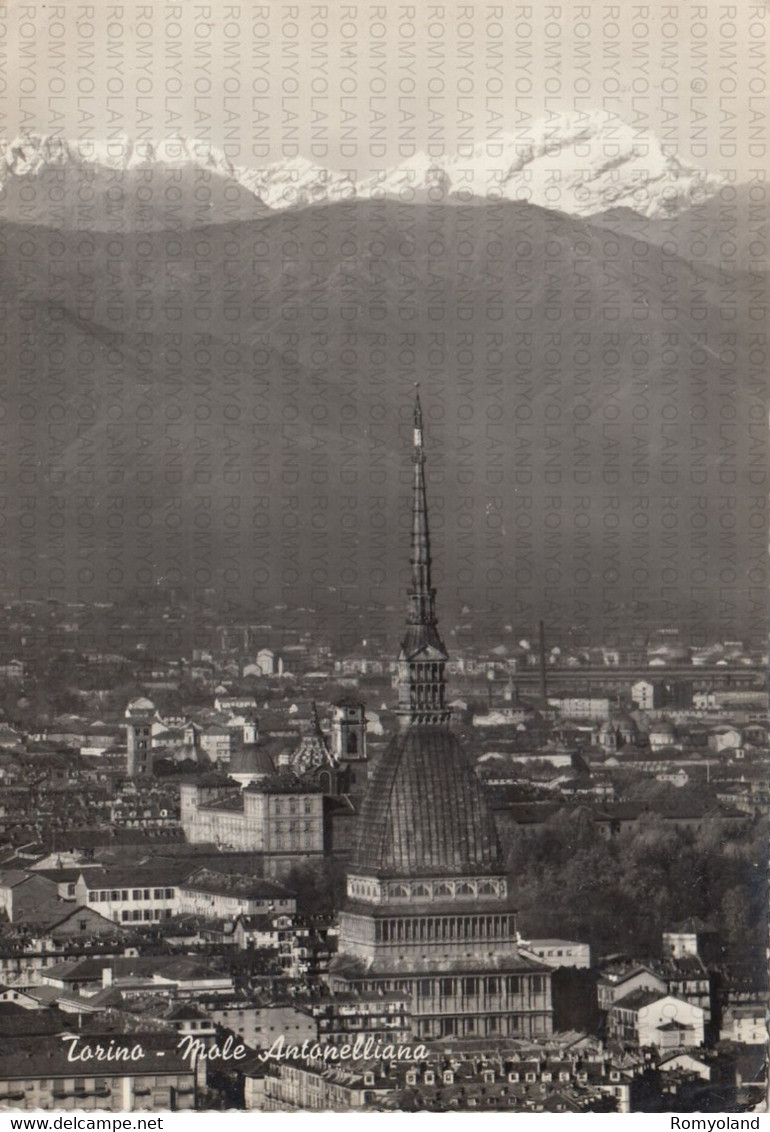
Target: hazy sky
(363,86)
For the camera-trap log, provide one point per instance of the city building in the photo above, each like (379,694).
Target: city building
(347,1018)
(23,894)
(225,703)
(621,981)
(581,707)
(281,817)
(257,1021)
(207,892)
(427,906)
(139,720)
(168,976)
(689,937)
(131,895)
(725,738)
(573,1076)
(266,662)
(746,1025)
(216,741)
(662,734)
(647,1018)
(37,1073)
(286,812)
(313,1085)
(716,699)
(648,695)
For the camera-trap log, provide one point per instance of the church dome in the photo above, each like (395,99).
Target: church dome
(626,725)
(251,759)
(622,719)
(424,812)
(140,706)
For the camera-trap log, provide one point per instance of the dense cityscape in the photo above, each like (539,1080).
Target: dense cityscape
(384,634)
(523,875)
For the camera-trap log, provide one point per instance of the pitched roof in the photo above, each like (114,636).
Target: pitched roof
(693,925)
(137,876)
(13,878)
(59,876)
(284,783)
(47,1056)
(43,993)
(236,884)
(67,912)
(638,999)
(78,970)
(262,921)
(16,1022)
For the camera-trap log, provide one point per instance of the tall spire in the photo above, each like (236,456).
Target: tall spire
(421,595)
(421,684)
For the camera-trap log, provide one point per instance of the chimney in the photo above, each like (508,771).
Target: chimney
(543,676)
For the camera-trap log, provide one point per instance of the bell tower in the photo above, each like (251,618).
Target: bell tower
(348,737)
(138,747)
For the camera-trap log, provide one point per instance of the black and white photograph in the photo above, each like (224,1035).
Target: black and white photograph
(384,559)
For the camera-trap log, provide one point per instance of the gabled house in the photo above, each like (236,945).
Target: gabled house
(646,1018)
(26,896)
(616,984)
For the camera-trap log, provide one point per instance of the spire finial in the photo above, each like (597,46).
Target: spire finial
(417,407)
(417,422)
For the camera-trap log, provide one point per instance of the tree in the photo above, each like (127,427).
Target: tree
(320,887)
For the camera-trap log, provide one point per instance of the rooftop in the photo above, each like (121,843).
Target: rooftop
(47,1056)
(639,998)
(139,876)
(230,884)
(286,783)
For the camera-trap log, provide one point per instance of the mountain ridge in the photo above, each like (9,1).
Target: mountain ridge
(582,165)
(208,388)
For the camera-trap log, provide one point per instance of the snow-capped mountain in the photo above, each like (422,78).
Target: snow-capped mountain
(210,258)
(579,165)
(30,155)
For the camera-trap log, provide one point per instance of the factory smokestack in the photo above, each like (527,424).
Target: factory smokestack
(543,676)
